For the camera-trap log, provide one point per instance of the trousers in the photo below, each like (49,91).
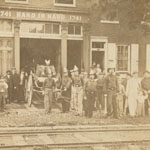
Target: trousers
(100,99)
(78,99)
(2,101)
(90,104)
(111,103)
(48,99)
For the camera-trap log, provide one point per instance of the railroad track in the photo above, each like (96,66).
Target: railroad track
(72,138)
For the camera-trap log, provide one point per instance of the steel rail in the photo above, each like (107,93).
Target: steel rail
(15,132)
(77,145)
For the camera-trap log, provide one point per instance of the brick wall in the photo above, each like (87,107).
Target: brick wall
(48,4)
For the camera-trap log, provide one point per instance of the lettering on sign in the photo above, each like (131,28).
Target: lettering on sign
(75,18)
(5,13)
(12,14)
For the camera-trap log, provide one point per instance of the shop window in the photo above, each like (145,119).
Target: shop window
(5,26)
(40,28)
(122,58)
(52,28)
(64,2)
(74,29)
(98,44)
(17,1)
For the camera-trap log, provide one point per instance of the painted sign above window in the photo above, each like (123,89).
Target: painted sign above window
(42,16)
(17,1)
(67,3)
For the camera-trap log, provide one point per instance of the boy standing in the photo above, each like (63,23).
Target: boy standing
(120,96)
(141,98)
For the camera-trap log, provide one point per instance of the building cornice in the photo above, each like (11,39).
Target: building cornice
(85,12)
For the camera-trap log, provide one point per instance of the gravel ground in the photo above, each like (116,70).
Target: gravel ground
(21,116)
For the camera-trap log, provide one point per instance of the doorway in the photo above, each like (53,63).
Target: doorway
(98,58)
(36,51)
(74,54)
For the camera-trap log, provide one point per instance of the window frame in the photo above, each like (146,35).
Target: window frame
(41,35)
(128,59)
(75,35)
(65,5)
(17,2)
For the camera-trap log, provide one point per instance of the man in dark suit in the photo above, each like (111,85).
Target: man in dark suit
(66,91)
(15,85)
(111,88)
(22,81)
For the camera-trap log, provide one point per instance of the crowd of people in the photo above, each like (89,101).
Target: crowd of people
(108,94)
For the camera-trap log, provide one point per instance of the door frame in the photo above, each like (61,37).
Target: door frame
(99,39)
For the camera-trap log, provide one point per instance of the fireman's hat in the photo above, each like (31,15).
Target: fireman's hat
(75,68)
(65,70)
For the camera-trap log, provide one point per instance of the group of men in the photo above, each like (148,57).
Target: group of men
(12,87)
(109,94)
(83,93)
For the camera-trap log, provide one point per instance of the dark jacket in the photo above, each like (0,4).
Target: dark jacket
(111,83)
(145,84)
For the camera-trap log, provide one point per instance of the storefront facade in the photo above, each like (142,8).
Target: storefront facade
(24,32)
(62,32)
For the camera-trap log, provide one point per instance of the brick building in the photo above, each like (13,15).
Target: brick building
(60,30)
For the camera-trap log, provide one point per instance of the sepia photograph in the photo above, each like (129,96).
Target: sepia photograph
(74,74)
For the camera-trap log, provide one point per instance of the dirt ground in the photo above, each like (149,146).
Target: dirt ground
(22,116)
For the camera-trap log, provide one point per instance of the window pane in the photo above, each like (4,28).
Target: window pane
(77,29)
(48,28)
(40,28)
(71,29)
(56,28)
(98,44)
(122,63)
(32,28)
(64,2)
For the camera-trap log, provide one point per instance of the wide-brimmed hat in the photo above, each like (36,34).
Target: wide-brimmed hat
(8,72)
